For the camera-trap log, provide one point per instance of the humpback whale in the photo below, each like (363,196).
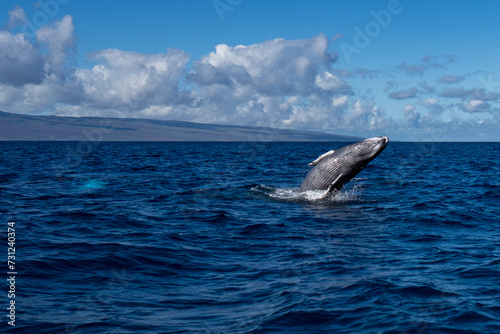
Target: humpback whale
(333,169)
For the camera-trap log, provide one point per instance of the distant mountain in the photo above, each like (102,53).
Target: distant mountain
(29,128)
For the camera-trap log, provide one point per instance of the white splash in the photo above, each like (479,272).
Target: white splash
(312,196)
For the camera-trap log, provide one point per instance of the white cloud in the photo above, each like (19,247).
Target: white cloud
(283,83)
(34,76)
(411,115)
(59,40)
(24,63)
(327,81)
(17,17)
(366,116)
(476,106)
(20,62)
(340,102)
(133,80)
(433,106)
(274,67)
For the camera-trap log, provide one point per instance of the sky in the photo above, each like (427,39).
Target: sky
(413,70)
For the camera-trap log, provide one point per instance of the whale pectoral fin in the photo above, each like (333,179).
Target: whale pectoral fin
(321,157)
(334,185)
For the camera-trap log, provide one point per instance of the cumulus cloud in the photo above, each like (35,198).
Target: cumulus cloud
(404,94)
(22,62)
(17,17)
(275,67)
(41,75)
(34,76)
(433,106)
(59,43)
(368,116)
(476,106)
(411,115)
(19,68)
(329,82)
(283,83)
(275,83)
(133,80)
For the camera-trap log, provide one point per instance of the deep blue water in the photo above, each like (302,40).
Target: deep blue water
(213,238)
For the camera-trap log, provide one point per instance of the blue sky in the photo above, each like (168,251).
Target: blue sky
(412,70)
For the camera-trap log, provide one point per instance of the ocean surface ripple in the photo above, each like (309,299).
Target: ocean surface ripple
(216,238)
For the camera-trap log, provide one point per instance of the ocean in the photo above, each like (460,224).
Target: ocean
(214,237)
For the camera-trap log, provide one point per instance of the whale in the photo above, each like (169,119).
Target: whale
(333,169)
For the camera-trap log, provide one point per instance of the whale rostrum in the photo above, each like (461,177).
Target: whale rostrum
(335,168)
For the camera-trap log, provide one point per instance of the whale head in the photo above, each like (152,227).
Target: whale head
(368,149)
(337,167)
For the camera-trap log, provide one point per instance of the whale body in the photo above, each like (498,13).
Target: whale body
(337,167)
